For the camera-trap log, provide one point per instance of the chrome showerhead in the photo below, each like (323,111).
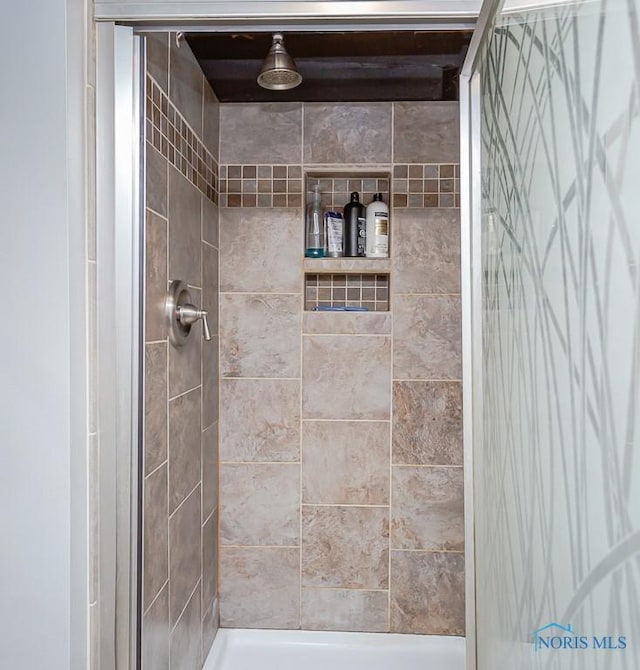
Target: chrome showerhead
(279,72)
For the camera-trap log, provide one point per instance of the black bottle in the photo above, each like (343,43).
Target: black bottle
(354,227)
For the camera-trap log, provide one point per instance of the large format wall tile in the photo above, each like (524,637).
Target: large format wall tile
(426,132)
(347,133)
(185,363)
(155,633)
(345,547)
(156,182)
(345,609)
(155,405)
(259,420)
(210,626)
(428,508)
(427,337)
(210,222)
(260,335)
(426,250)
(158,58)
(209,560)
(186,83)
(346,377)
(427,593)
(345,462)
(260,133)
(185,564)
(210,120)
(155,277)
(184,229)
(427,423)
(184,446)
(260,504)
(261,250)
(259,587)
(209,464)
(156,569)
(210,285)
(186,637)
(210,381)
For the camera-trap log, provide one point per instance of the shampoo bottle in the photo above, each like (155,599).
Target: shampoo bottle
(377,228)
(354,217)
(316,237)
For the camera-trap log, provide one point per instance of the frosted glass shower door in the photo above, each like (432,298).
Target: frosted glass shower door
(556,446)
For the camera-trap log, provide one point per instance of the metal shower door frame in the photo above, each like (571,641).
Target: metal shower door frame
(120,225)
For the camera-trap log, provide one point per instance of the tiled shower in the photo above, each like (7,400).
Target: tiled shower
(335,438)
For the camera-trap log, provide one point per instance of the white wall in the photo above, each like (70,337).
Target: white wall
(42,358)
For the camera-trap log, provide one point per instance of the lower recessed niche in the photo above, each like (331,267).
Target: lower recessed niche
(370,291)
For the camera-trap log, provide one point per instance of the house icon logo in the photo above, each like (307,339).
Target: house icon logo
(555,630)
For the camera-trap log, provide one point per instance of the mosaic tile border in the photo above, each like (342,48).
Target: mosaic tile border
(426,185)
(347,290)
(169,133)
(411,186)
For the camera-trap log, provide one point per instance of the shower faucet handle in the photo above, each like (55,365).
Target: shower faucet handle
(181,314)
(188,314)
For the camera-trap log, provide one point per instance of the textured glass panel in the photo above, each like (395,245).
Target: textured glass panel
(558,480)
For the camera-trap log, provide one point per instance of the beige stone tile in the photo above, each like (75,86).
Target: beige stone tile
(427,337)
(155,406)
(427,423)
(426,251)
(345,609)
(210,222)
(185,566)
(347,323)
(185,363)
(259,587)
(158,58)
(345,547)
(426,132)
(261,250)
(260,335)
(186,638)
(184,229)
(210,286)
(427,593)
(260,133)
(259,420)
(211,121)
(346,377)
(210,382)
(184,446)
(155,277)
(157,174)
(155,634)
(428,508)
(210,619)
(209,560)
(186,83)
(209,460)
(356,132)
(260,504)
(345,462)
(155,534)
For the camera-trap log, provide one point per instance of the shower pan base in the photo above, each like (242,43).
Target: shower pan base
(237,649)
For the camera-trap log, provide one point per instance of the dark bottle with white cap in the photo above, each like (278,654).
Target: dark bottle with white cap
(354,226)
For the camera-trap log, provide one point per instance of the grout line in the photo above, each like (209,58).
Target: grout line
(156,597)
(184,500)
(206,521)
(162,341)
(195,588)
(430,551)
(179,395)
(164,217)
(149,474)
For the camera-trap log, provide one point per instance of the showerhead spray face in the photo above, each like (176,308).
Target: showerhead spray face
(279,71)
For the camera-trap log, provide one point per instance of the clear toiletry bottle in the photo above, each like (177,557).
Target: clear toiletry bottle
(316,235)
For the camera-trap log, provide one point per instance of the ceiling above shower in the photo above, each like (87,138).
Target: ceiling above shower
(337,67)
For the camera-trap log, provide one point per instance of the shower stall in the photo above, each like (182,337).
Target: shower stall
(290,485)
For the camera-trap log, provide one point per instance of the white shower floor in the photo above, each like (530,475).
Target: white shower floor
(236,649)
